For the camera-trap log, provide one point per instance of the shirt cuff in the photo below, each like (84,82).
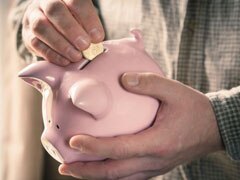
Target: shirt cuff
(226,105)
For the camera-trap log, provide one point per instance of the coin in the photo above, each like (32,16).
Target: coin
(93,51)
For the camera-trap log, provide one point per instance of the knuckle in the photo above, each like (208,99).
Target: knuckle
(121,151)
(91,14)
(148,81)
(67,26)
(55,58)
(90,17)
(38,46)
(83,8)
(30,49)
(53,7)
(151,77)
(163,150)
(39,25)
(51,55)
(63,50)
(35,43)
(73,4)
(154,164)
(112,173)
(25,21)
(24,36)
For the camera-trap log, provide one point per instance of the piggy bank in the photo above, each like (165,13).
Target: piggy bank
(90,100)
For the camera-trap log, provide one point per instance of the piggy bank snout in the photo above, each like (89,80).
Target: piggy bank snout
(51,149)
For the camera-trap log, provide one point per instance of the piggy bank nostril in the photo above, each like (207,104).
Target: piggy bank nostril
(53,152)
(39,86)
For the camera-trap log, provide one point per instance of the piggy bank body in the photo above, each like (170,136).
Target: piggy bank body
(90,99)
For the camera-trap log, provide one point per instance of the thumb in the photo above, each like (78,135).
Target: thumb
(151,84)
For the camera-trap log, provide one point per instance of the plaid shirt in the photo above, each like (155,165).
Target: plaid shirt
(198,43)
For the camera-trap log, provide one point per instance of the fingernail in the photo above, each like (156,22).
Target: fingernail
(62,169)
(74,54)
(95,34)
(132,79)
(82,42)
(65,171)
(74,144)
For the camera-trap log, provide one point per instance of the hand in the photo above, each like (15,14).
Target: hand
(185,129)
(58,30)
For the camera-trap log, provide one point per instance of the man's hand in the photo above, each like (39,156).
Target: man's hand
(58,30)
(185,129)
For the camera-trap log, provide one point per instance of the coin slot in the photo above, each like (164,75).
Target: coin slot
(88,61)
(84,64)
(105,50)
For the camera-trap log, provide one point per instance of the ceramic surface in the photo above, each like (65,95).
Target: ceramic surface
(90,99)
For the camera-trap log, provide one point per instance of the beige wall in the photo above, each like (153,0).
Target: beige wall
(20,123)
(4,7)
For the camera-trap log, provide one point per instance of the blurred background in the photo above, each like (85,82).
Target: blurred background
(1,79)
(4,8)
(21,154)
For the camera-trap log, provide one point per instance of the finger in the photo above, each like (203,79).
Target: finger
(64,22)
(120,147)
(152,84)
(44,31)
(47,53)
(110,169)
(86,15)
(27,40)
(39,48)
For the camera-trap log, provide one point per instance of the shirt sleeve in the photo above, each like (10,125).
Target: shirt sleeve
(16,17)
(226,105)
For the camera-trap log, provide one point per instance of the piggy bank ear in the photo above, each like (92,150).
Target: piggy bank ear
(41,74)
(91,96)
(138,39)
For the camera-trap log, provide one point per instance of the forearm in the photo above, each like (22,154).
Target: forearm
(226,105)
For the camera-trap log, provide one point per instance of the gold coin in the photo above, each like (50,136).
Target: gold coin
(93,51)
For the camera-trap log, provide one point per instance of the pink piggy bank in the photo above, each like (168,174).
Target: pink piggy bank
(90,99)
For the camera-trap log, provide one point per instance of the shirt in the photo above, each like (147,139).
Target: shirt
(196,42)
